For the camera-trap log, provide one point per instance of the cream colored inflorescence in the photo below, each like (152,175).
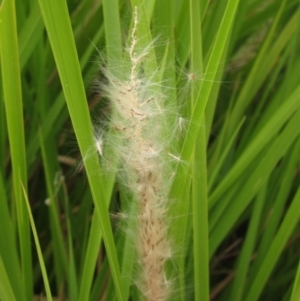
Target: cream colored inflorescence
(139,122)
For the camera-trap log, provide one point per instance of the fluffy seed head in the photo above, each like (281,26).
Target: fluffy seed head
(138,136)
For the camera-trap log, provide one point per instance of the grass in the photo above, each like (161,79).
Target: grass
(229,70)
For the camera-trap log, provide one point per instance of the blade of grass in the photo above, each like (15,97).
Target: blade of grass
(278,206)
(3,130)
(223,155)
(38,249)
(244,259)
(95,236)
(14,113)
(56,110)
(55,15)
(162,28)
(182,43)
(296,286)
(200,220)
(92,252)
(129,255)
(288,224)
(6,291)
(72,274)
(204,92)
(30,34)
(199,181)
(278,119)
(8,248)
(257,74)
(211,26)
(50,169)
(258,175)
(100,282)
(112,31)
(209,77)
(195,122)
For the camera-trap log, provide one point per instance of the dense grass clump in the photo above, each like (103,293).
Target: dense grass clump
(171,171)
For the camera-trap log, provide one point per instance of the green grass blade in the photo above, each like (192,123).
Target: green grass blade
(199,184)
(14,114)
(209,77)
(30,34)
(92,253)
(56,110)
(55,15)
(288,224)
(72,275)
(248,247)
(38,249)
(203,93)
(222,156)
(128,254)
(255,77)
(8,248)
(3,129)
(6,291)
(278,206)
(205,90)
(258,175)
(276,121)
(296,286)
(112,31)
(50,170)
(200,221)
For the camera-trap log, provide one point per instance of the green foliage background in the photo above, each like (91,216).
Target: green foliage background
(231,71)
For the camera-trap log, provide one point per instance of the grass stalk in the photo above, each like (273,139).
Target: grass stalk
(63,46)
(12,91)
(199,184)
